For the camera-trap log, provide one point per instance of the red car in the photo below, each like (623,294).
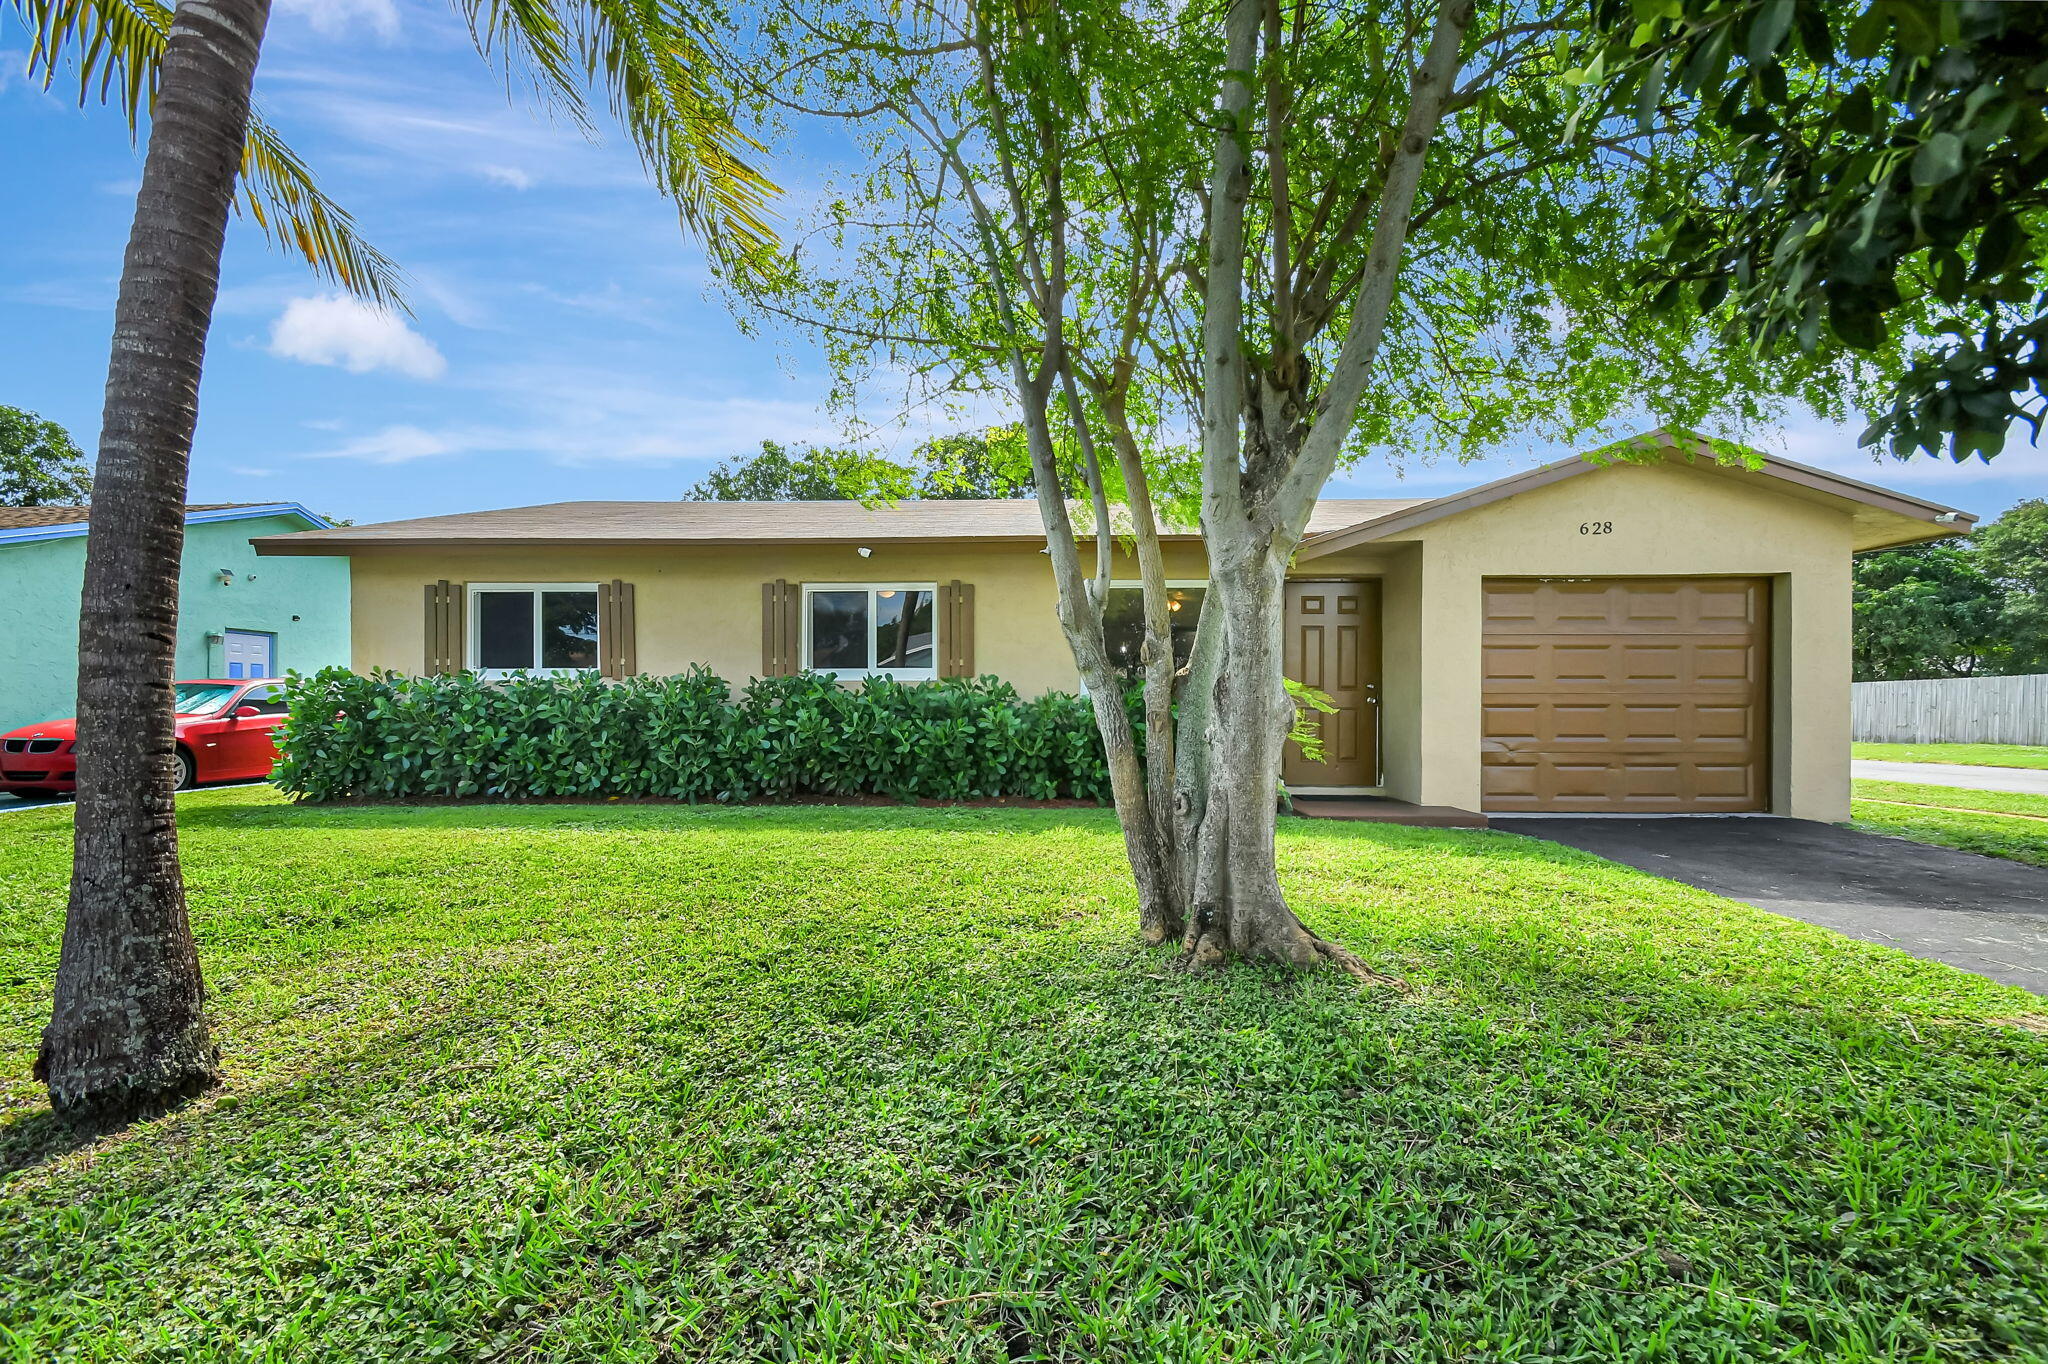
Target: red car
(224,734)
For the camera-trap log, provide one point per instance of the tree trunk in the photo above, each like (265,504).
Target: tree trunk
(128,1031)
(1231,792)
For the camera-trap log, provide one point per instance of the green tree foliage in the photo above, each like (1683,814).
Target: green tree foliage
(1882,169)
(2013,553)
(1923,611)
(40,465)
(1957,608)
(804,473)
(968,465)
(992,463)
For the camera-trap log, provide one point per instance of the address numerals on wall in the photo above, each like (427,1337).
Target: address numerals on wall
(1596,528)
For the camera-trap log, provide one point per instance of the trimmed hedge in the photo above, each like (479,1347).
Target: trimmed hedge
(686,737)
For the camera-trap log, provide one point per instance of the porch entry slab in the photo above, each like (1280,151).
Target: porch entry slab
(1625,695)
(1382,810)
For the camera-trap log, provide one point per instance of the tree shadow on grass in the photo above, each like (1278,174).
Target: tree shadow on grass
(40,1136)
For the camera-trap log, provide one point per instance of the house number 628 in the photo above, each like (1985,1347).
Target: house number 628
(1596,528)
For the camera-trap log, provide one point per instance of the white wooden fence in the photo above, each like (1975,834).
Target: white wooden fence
(1953,710)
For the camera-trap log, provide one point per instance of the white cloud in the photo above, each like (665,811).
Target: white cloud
(580,418)
(246,471)
(336,18)
(399,445)
(336,330)
(511,177)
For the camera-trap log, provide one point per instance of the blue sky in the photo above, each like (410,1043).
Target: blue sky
(565,343)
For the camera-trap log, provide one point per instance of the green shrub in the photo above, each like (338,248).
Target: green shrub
(686,737)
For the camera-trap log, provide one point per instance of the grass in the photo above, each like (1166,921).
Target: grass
(1970,755)
(2005,824)
(653,1083)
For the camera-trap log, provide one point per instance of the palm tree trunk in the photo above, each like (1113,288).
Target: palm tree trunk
(128,1031)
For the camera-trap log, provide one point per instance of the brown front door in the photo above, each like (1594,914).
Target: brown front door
(1625,694)
(1333,645)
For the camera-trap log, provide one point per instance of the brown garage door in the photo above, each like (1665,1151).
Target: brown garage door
(1625,694)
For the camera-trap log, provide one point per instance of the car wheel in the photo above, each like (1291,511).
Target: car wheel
(184,776)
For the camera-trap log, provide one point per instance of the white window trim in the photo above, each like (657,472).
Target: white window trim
(476,627)
(930,674)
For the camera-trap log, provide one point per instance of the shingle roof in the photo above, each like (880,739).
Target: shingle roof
(14,518)
(642,523)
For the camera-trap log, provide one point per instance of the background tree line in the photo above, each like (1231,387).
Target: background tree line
(969,464)
(1957,608)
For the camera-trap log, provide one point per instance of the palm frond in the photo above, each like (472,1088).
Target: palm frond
(652,61)
(115,47)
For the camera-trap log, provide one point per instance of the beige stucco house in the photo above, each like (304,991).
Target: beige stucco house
(1665,636)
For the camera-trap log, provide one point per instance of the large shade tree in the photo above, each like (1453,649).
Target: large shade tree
(1884,171)
(1211,254)
(40,464)
(128,1029)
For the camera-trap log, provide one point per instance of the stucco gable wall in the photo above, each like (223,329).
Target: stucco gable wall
(1666,520)
(304,602)
(39,589)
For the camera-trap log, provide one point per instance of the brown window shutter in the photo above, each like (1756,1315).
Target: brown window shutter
(780,603)
(956,629)
(618,656)
(444,644)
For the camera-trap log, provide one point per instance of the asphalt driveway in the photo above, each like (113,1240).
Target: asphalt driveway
(1983,914)
(2031,781)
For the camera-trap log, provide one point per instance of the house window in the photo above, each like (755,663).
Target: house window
(872,629)
(1123,623)
(533,627)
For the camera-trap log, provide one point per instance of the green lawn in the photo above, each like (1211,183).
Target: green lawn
(1999,823)
(654,1083)
(1970,755)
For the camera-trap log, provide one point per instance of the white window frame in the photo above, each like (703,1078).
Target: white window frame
(475,629)
(899,674)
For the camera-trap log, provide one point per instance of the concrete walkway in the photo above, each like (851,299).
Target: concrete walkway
(2031,781)
(1983,914)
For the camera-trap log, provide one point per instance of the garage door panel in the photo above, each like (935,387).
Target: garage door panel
(1652,782)
(1643,695)
(1729,781)
(1659,787)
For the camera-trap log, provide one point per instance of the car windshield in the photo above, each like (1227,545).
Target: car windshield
(201,698)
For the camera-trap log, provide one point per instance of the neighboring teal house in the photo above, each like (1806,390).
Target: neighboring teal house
(238,615)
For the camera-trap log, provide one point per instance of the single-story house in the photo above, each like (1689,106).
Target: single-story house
(1665,636)
(237,617)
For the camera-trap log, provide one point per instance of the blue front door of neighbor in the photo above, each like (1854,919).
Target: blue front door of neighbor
(250,654)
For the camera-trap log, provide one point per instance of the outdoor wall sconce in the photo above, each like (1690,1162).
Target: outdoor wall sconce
(226,576)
